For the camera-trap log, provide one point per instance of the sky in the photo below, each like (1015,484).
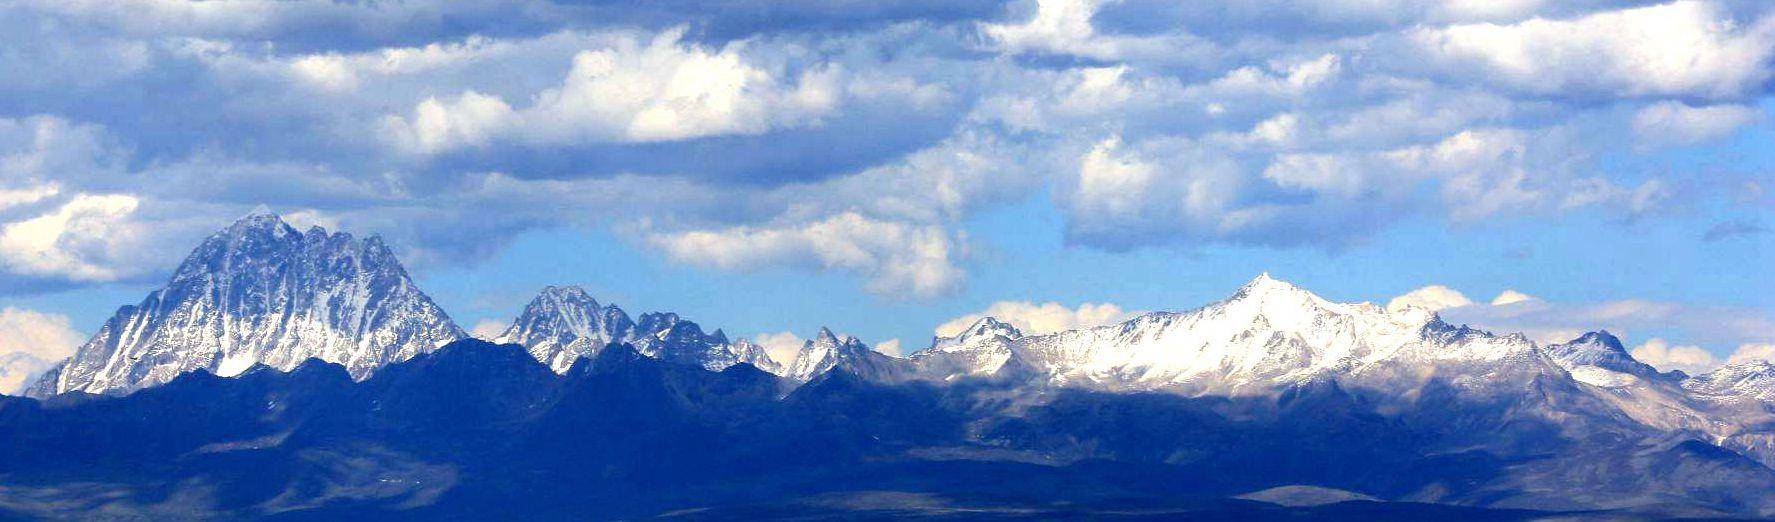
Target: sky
(896,169)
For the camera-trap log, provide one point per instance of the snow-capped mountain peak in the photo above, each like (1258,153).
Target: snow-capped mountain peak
(1752,379)
(981,349)
(1267,335)
(985,328)
(564,323)
(260,292)
(827,351)
(1599,358)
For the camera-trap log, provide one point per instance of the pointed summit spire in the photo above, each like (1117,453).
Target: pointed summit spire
(259,211)
(1264,284)
(826,336)
(990,326)
(247,287)
(261,216)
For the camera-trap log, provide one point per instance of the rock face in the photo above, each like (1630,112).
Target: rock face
(261,293)
(564,324)
(982,349)
(667,337)
(1598,358)
(827,351)
(1749,380)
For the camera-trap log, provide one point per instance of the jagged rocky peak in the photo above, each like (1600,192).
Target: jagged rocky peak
(1274,302)
(1266,287)
(981,349)
(1598,349)
(827,351)
(564,323)
(987,328)
(1266,336)
(260,292)
(1749,379)
(1277,300)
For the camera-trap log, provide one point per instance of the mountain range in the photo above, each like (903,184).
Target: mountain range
(293,374)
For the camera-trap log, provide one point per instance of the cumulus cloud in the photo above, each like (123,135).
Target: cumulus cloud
(1508,297)
(24,196)
(1683,48)
(1662,355)
(1040,318)
(1753,352)
(41,335)
(488,329)
(1064,27)
(32,342)
(890,347)
(660,90)
(18,370)
(81,240)
(1677,123)
(1176,189)
(1432,298)
(39,154)
(896,258)
(451,126)
(781,346)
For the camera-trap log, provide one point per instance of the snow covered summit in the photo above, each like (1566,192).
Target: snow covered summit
(261,292)
(564,324)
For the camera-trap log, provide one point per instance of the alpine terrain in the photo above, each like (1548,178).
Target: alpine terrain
(261,293)
(301,374)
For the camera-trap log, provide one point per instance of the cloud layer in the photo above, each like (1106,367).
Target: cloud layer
(849,138)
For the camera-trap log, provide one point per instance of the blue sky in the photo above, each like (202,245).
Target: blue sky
(885,168)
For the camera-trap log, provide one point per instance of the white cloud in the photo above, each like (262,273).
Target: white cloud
(1040,318)
(1483,171)
(1677,123)
(632,91)
(469,120)
(30,343)
(24,196)
(1290,124)
(1508,297)
(898,259)
(1661,355)
(890,347)
(1432,298)
(41,335)
(1753,352)
(940,184)
(488,329)
(1683,48)
(47,153)
(1252,187)
(18,370)
(1111,181)
(781,346)
(1288,80)
(81,241)
(1064,27)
